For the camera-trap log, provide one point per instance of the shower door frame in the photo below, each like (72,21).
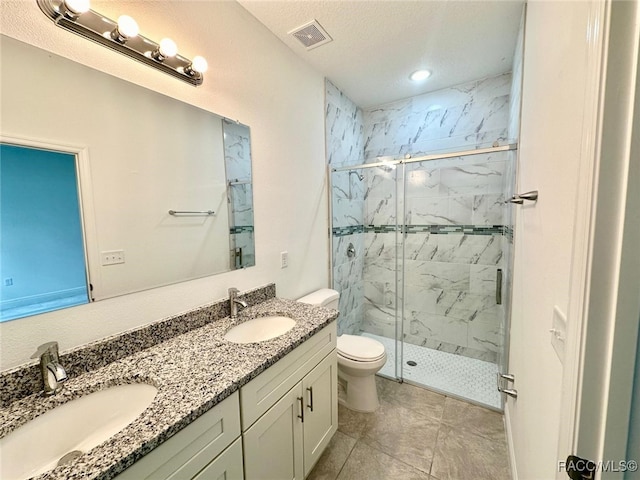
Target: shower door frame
(400,229)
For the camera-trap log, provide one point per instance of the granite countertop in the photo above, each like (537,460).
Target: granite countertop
(192,372)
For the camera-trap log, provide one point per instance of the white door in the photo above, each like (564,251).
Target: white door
(599,390)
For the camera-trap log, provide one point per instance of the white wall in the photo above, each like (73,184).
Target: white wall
(252,77)
(554,82)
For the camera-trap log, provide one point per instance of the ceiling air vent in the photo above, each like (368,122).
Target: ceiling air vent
(311,35)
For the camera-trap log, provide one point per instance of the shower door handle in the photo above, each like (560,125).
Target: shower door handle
(503,379)
(499,287)
(519,199)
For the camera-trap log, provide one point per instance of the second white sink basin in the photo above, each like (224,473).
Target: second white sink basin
(74,428)
(260,329)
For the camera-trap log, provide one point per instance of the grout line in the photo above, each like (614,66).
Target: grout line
(435,445)
(393,457)
(348,456)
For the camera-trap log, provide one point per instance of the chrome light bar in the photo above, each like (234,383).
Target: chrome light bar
(122,36)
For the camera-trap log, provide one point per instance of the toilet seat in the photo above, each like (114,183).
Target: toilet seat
(360,349)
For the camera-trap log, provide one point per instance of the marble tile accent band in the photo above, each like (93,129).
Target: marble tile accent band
(241,229)
(350,230)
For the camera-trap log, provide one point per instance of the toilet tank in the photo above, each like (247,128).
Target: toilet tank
(325,297)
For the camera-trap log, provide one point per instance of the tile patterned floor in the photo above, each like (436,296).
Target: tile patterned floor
(445,372)
(416,434)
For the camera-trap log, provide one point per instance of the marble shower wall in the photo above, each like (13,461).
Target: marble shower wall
(466,116)
(344,134)
(448,223)
(453,245)
(344,129)
(453,219)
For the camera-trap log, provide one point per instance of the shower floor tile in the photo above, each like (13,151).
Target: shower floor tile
(451,374)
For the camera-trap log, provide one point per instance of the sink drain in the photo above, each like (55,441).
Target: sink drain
(411,363)
(70,457)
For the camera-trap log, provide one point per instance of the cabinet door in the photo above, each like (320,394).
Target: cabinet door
(273,445)
(321,409)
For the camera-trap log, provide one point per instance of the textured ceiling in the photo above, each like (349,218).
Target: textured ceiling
(377,44)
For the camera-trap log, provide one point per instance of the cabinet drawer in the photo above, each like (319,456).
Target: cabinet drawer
(192,448)
(257,396)
(228,466)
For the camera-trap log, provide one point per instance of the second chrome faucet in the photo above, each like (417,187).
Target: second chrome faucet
(234,301)
(53,374)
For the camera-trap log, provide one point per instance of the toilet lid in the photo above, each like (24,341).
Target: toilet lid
(362,349)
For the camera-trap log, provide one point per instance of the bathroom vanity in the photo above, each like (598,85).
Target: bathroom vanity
(251,410)
(277,425)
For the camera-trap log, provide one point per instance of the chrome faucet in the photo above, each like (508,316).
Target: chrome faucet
(53,374)
(234,301)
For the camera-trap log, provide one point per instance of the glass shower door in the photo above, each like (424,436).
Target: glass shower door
(419,250)
(453,260)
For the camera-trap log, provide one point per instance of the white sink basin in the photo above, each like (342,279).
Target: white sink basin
(76,426)
(260,329)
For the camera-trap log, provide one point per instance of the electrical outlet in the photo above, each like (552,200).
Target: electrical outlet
(284,259)
(112,257)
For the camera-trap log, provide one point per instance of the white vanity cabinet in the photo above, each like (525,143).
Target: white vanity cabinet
(276,427)
(209,447)
(290,412)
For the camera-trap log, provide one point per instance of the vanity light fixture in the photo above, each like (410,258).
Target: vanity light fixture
(166,49)
(198,66)
(73,8)
(123,36)
(126,28)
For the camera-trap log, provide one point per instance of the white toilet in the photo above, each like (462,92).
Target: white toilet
(359,359)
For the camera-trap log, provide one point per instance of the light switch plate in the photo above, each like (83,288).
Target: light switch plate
(559,332)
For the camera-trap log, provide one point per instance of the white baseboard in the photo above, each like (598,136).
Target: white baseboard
(512,453)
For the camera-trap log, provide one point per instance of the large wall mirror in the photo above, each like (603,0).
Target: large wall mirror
(109,188)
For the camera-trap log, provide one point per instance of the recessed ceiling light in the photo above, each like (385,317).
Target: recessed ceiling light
(420,75)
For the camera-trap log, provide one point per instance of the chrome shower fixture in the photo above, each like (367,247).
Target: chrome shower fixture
(359,175)
(123,37)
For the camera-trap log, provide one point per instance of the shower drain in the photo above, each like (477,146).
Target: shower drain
(411,363)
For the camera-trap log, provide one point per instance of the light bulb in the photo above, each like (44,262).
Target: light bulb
(127,26)
(168,48)
(420,75)
(77,7)
(199,64)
